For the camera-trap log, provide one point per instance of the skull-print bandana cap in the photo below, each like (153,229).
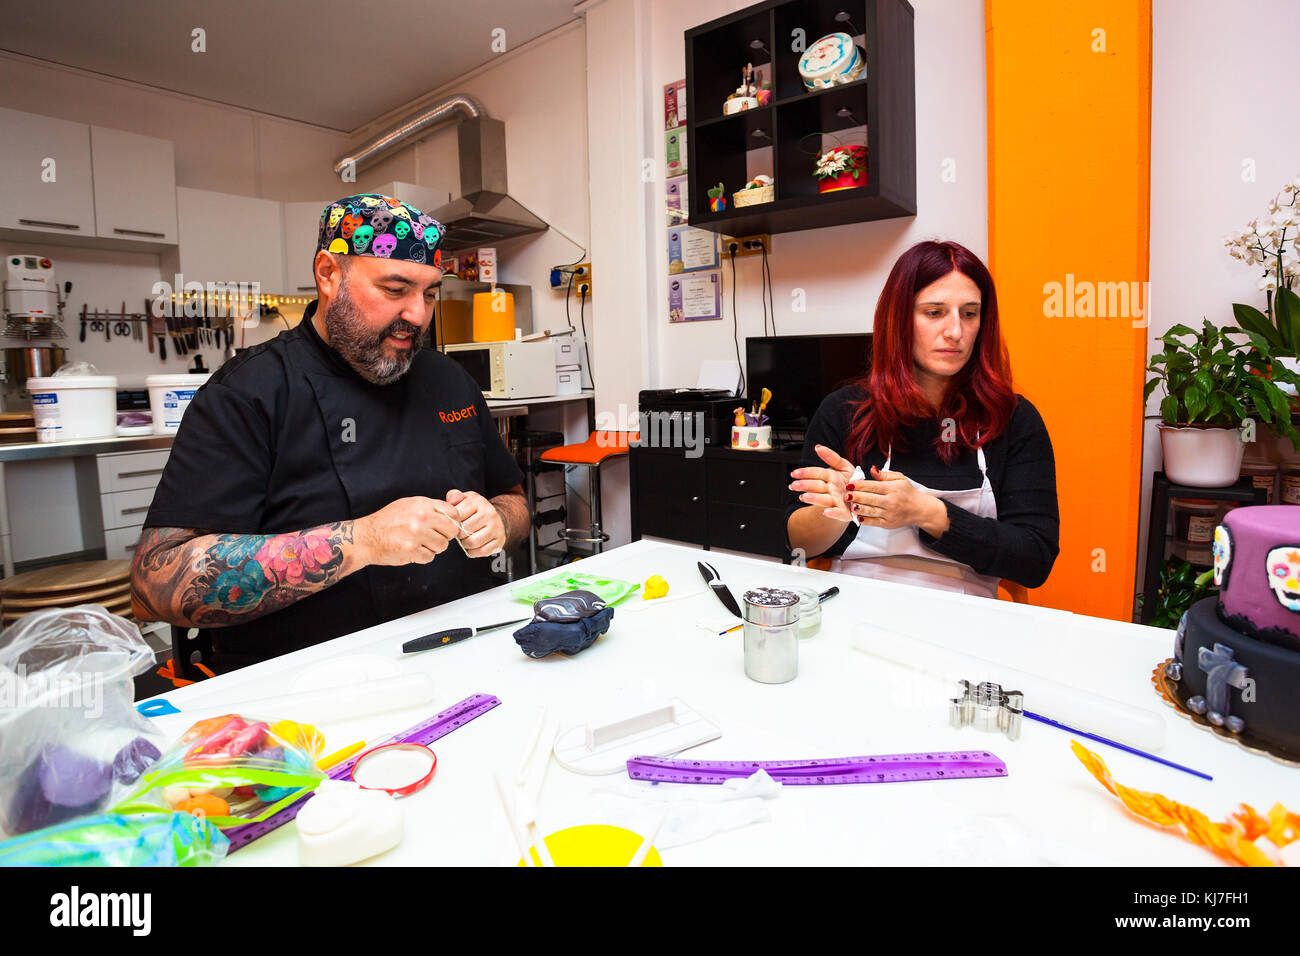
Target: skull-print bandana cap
(375,225)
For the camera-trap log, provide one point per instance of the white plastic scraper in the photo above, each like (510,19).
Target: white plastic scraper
(662,730)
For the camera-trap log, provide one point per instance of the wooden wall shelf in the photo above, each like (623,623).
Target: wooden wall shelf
(779,138)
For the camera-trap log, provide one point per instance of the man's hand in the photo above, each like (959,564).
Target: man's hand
(483,532)
(408,531)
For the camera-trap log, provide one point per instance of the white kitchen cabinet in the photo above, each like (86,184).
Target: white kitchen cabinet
(46,186)
(423,198)
(227,238)
(120,543)
(135,186)
(301,231)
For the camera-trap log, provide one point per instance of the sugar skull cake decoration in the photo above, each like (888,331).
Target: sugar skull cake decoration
(1284,575)
(1222,555)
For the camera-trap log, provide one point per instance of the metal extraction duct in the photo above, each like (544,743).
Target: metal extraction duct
(485,212)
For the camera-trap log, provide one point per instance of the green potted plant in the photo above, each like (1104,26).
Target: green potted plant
(1213,383)
(1181,585)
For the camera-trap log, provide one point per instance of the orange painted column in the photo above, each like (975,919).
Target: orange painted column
(1069,136)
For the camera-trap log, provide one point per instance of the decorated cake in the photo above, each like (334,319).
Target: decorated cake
(1237,657)
(832,60)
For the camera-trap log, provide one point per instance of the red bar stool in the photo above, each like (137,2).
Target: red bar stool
(599,446)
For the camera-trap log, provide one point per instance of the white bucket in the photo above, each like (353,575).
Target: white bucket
(169,396)
(73,407)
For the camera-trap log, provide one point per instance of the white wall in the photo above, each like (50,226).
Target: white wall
(841,269)
(539,91)
(1222,110)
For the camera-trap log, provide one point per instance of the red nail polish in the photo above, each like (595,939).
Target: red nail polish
(848,487)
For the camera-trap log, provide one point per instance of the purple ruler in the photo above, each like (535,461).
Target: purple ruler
(882,768)
(425,732)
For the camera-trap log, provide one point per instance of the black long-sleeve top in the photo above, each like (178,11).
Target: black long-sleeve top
(1021,544)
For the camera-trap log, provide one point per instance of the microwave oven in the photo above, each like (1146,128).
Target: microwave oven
(508,369)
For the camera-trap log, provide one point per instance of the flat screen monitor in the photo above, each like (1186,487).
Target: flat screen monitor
(801,370)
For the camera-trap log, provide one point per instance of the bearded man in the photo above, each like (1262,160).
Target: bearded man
(318,480)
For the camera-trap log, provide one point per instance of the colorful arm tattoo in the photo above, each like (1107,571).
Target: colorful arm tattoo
(195,578)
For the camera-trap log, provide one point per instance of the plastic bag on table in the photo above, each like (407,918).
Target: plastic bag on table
(71,741)
(609,590)
(107,839)
(232,770)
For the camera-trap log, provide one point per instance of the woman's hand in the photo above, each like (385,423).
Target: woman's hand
(825,487)
(890,501)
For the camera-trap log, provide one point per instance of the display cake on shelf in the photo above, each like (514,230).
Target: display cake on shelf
(1236,664)
(830,61)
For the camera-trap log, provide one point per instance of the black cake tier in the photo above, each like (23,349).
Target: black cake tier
(1265,696)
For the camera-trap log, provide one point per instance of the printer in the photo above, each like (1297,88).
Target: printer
(663,412)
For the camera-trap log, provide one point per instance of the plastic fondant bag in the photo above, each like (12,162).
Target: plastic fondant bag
(567,623)
(609,590)
(231,770)
(71,741)
(153,839)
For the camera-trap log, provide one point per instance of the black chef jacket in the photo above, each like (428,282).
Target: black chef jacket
(286,436)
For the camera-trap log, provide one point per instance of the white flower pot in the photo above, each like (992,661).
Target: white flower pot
(1202,457)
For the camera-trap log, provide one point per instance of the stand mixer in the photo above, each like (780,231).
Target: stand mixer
(33,313)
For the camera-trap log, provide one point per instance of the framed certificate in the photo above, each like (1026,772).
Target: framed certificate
(695,297)
(693,250)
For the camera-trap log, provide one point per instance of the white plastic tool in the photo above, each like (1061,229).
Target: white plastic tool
(1069,705)
(661,730)
(330,704)
(343,823)
(639,605)
(344,671)
(531,777)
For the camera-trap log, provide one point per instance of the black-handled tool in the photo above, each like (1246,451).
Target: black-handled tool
(443,638)
(714,580)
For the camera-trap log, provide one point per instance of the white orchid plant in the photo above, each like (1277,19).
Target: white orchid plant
(1271,241)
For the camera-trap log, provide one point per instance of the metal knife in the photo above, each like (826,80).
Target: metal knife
(442,638)
(714,581)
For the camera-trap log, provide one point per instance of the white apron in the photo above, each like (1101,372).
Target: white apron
(899,556)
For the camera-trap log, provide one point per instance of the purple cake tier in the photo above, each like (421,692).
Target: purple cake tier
(1257,569)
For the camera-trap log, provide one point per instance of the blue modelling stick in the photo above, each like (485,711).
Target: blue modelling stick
(1116,744)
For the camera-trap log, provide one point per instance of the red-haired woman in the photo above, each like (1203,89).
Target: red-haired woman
(962,483)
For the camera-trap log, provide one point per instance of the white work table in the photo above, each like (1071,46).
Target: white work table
(1048,810)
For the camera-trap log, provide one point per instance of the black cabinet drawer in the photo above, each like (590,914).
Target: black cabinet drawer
(681,516)
(760,484)
(745,528)
(669,470)
(669,499)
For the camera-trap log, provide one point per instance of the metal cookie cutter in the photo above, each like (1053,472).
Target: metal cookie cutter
(988,707)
